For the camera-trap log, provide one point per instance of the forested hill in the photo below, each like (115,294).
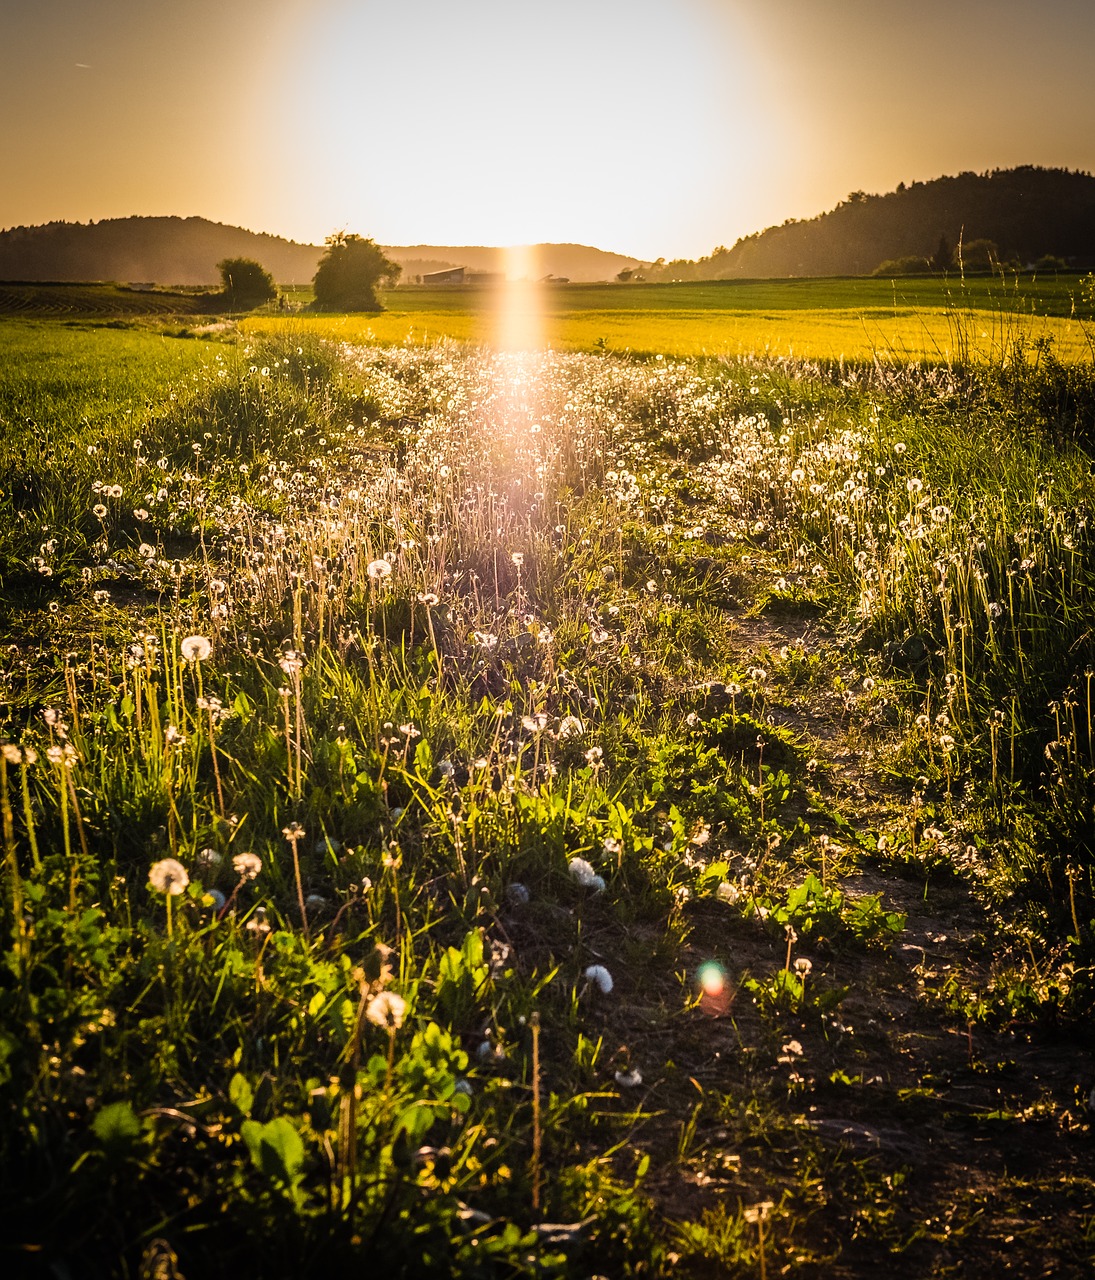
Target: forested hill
(185,251)
(1009,215)
(156,250)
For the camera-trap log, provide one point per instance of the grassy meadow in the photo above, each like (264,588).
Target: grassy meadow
(490,814)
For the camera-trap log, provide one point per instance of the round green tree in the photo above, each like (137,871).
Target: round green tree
(350,271)
(245,283)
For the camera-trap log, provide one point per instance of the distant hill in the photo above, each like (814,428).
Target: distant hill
(185,251)
(577,262)
(1017,215)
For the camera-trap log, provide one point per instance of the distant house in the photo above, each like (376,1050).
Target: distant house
(451,275)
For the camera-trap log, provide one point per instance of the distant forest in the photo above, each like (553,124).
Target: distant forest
(185,251)
(1014,217)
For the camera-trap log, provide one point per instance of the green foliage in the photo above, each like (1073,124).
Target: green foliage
(481,711)
(245,283)
(349,273)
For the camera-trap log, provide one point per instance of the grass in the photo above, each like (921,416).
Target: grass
(624,816)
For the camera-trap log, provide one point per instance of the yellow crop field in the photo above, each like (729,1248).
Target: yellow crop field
(920,333)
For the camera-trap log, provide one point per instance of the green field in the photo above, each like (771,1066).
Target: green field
(470,813)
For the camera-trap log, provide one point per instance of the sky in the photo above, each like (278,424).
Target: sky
(655,128)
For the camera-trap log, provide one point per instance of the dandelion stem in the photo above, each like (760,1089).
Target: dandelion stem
(534,1023)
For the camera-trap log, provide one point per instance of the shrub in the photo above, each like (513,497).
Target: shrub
(349,273)
(246,283)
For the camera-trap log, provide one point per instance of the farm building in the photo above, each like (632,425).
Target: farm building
(451,275)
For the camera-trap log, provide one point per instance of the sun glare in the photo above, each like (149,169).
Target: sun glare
(519,316)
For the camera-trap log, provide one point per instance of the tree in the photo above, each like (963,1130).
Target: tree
(943,257)
(246,283)
(349,272)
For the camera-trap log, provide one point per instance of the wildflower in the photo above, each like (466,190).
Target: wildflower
(378,569)
(11,753)
(196,648)
(581,871)
(213,898)
(629,1079)
(803,966)
(291,662)
(598,976)
(257,925)
(293,832)
(168,876)
(209,860)
(428,598)
(594,757)
(570,727)
(99,511)
(518,559)
(247,865)
(386,1010)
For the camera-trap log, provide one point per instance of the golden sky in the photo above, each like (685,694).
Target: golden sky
(651,127)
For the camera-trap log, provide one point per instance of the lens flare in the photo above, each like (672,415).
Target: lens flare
(714,989)
(711,978)
(519,313)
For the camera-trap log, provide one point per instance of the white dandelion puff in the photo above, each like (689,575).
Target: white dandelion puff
(196,648)
(168,876)
(598,976)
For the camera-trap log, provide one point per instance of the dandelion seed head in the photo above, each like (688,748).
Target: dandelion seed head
(517,894)
(386,1009)
(196,648)
(168,876)
(598,976)
(247,865)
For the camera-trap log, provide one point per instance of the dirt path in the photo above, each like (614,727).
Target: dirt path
(890,1131)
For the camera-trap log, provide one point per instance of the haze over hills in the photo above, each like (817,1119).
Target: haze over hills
(1017,215)
(185,251)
